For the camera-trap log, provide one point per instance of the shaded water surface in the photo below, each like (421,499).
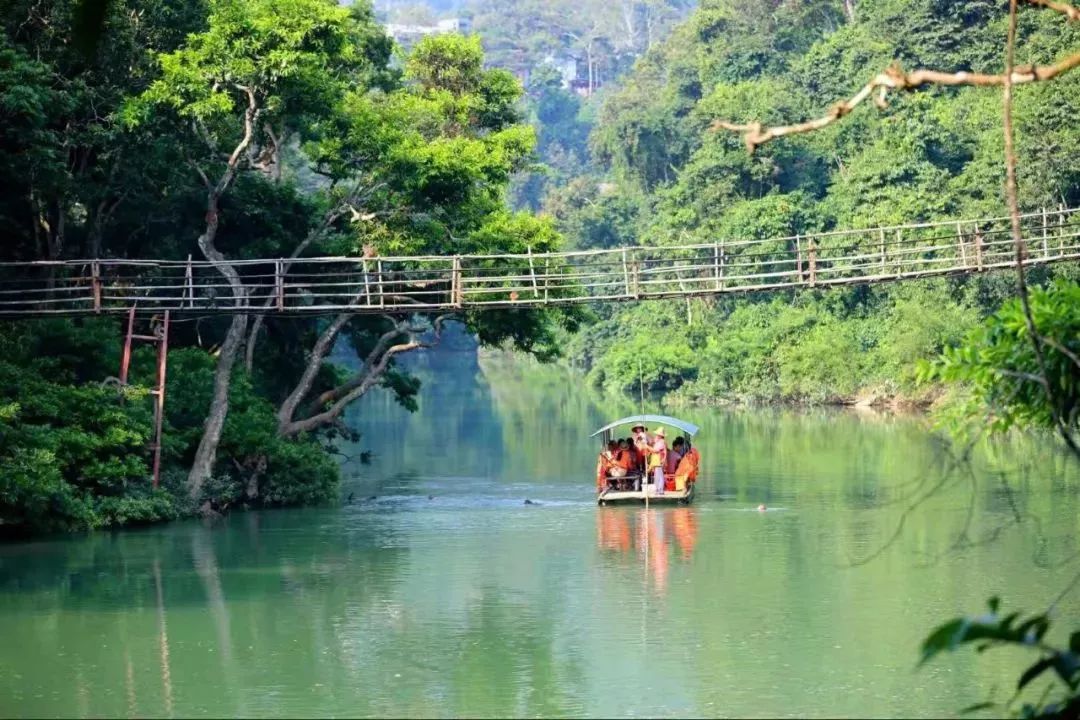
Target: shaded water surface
(439,592)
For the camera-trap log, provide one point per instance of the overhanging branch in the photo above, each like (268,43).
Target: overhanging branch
(894,79)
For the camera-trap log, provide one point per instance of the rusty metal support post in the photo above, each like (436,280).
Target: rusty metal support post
(159,395)
(125,358)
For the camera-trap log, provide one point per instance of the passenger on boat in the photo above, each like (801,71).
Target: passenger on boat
(610,469)
(604,465)
(674,456)
(687,470)
(657,457)
(642,441)
(626,458)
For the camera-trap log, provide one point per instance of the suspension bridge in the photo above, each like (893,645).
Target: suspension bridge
(323,285)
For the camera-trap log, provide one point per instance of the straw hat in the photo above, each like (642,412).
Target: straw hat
(635,428)
(659,432)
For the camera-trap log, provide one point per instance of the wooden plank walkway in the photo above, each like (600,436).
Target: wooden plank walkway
(475,282)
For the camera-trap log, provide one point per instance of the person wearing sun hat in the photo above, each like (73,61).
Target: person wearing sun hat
(657,456)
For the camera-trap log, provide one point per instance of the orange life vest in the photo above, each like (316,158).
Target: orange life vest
(688,466)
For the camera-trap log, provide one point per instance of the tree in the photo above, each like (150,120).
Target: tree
(449,143)
(260,70)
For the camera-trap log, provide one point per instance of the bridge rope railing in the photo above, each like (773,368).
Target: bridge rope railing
(416,283)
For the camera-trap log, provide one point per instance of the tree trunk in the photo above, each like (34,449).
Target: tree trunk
(206,455)
(849,10)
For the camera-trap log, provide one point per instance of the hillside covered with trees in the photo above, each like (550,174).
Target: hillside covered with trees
(672,177)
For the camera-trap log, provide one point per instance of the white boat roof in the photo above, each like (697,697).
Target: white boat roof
(650,422)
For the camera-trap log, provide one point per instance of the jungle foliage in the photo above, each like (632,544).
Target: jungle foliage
(931,155)
(351,153)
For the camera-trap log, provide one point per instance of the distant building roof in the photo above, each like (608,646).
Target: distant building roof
(400,31)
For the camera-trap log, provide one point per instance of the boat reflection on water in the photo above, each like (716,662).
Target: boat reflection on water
(652,536)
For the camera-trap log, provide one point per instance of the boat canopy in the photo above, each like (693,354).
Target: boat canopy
(650,421)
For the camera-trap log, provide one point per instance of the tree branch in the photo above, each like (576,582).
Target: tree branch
(1064,8)
(375,365)
(311,370)
(371,376)
(895,79)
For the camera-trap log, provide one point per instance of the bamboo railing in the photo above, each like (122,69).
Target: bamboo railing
(464,282)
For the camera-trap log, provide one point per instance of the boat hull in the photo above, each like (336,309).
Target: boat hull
(638,497)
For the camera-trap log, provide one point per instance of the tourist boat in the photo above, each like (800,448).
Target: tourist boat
(612,496)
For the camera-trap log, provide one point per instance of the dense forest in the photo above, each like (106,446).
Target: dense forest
(226,130)
(660,173)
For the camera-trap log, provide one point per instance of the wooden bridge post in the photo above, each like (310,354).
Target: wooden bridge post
(960,242)
(367,282)
(95,280)
(1061,227)
(812,251)
(900,261)
(547,273)
(723,260)
(798,259)
(1046,233)
(379,280)
(532,272)
(881,232)
(279,284)
(978,249)
(189,285)
(716,265)
(636,274)
(455,282)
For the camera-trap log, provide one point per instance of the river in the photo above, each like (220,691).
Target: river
(438,592)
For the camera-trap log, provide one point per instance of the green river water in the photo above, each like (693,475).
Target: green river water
(439,592)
